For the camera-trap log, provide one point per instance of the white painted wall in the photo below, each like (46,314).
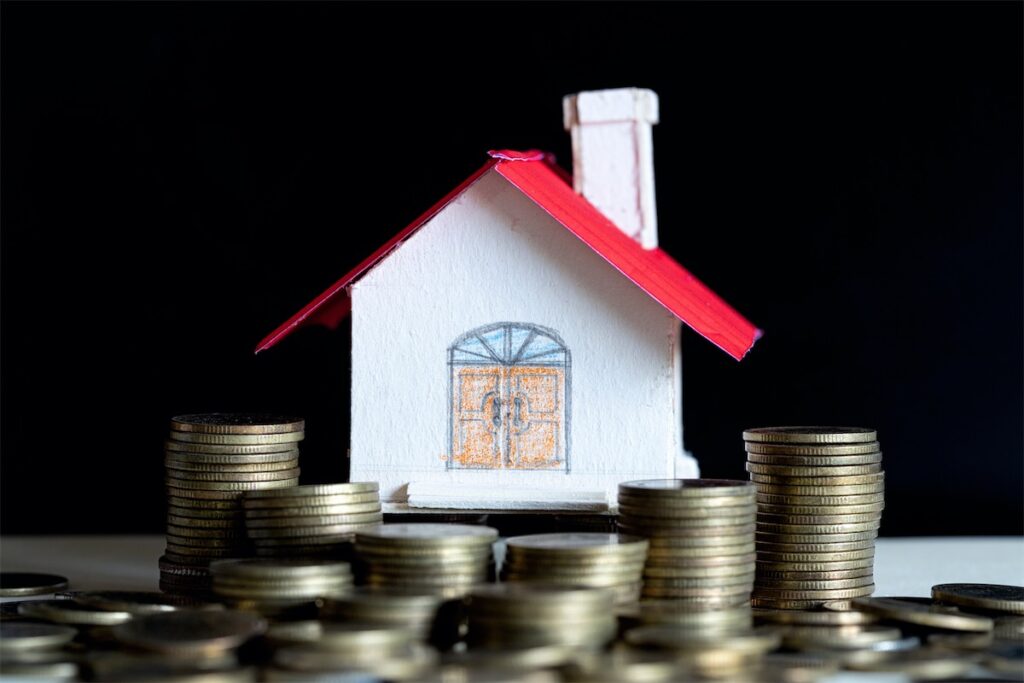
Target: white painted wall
(490,256)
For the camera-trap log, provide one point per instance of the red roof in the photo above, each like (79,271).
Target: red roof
(534,174)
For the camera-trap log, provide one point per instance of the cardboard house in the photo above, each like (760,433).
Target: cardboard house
(517,345)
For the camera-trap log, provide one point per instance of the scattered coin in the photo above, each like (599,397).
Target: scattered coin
(997,598)
(17,584)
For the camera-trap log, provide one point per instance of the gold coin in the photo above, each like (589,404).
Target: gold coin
(183,460)
(227,486)
(238,449)
(838,594)
(224,476)
(828,491)
(994,597)
(317,490)
(813,617)
(682,488)
(809,584)
(842,556)
(187,468)
(814,460)
(207,523)
(922,613)
(810,435)
(874,508)
(875,478)
(807,529)
(685,514)
(689,503)
(237,439)
(236,423)
(815,547)
(270,507)
(684,535)
(712,554)
(815,566)
(260,516)
(790,538)
(816,519)
(576,545)
(16,636)
(791,471)
(863,499)
(783,574)
(427,535)
(813,452)
(681,640)
(70,612)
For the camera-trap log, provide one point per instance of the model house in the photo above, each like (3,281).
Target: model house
(517,346)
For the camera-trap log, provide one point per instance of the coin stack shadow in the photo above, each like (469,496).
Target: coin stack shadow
(444,559)
(211,461)
(521,615)
(701,535)
(820,494)
(316,520)
(275,587)
(590,560)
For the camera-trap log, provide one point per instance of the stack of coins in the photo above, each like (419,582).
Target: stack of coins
(590,560)
(309,521)
(275,586)
(445,559)
(426,615)
(820,494)
(211,462)
(701,534)
(529,615)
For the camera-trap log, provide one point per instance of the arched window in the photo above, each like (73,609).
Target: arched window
(509,398)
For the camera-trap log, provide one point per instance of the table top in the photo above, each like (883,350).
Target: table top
(903,566)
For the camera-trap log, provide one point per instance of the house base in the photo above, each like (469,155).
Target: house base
(429,495)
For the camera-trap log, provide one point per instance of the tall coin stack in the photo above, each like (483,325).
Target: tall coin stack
(210,462)
(445,559)
(591,560)
(309,521)
(820,494)
(701,534)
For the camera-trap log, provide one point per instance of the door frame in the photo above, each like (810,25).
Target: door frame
(510,352)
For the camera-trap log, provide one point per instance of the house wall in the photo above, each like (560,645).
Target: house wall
(490,256)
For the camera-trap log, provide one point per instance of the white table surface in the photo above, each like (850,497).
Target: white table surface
(903,566)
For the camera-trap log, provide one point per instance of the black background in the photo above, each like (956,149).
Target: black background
(180,178)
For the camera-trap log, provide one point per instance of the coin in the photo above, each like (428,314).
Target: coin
(342,524)
(576,545)
(679,532)
(811,451)
(226,523)
(909,612)
(919,665)
(237,439)
(809,529)
(70,612)
(820,566)
(836,637)
(810,435)
(428,535)
(17,584)
(187,479)
(223,487)
(217,450)
(686,504)
(764,582)
(255,514)
(793,471)
(813,617)
(185,460)
(236,423)
(341,489)
(816,519)
(810,538)
(819,480)
(836,510)
(674,488)
(680,513)
(264,506)
(186,469)
(812,575)
(788,594)
(765,555)
(994,597)
(18,636)
(821,489)
(862,499)
(190,632)
(667,637)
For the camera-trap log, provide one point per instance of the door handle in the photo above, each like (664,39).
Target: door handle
(496,412)
(517,416)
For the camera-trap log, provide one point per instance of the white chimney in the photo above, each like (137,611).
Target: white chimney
(613,156)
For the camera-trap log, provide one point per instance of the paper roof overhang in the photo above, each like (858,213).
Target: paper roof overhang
(535,175)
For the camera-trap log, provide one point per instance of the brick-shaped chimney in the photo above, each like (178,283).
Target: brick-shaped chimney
(613,156)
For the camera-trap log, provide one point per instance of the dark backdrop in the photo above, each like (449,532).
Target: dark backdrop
(179,178)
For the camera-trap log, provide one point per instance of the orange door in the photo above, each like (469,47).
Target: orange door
(477,416)
(534,417)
